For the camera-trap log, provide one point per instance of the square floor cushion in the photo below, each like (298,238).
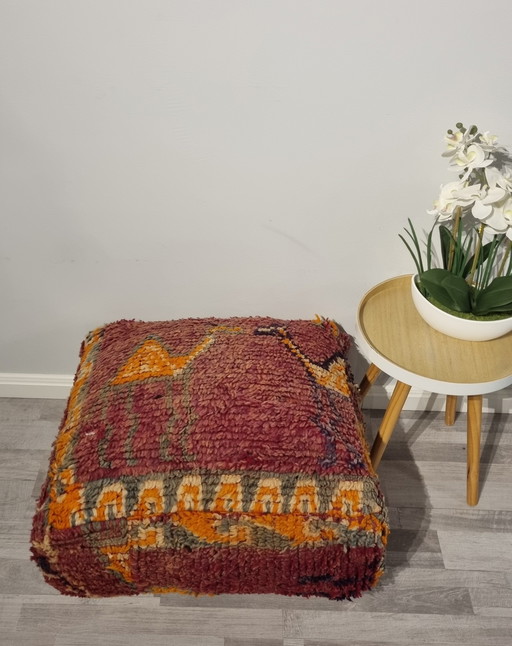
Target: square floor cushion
(212,456)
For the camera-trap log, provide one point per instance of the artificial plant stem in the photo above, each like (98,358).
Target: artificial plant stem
(506,256)
(455,231)
(477,253)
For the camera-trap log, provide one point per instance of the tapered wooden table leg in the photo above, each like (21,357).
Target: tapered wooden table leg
(371,375)
(387,426)
(450,410)
(473,457)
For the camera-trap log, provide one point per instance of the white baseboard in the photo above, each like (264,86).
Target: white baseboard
(33,386)
(420,400)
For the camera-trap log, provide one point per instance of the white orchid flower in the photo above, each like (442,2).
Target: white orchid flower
(507,215)
(452,195)
(473,157)
(501,178)
(457,142)
(488,142)
(494,209)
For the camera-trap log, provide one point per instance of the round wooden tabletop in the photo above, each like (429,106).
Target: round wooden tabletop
(394,337)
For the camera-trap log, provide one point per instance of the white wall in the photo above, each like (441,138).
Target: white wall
(171,158)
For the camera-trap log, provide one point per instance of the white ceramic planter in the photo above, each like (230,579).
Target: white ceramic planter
(454,325)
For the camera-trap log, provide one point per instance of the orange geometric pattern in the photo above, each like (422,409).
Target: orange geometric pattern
(190,494)
(348,498)
(150,501)
(111,503)
(334,377)
(66,509)
(268,498)
(153,360)
(223,521)
(228,496)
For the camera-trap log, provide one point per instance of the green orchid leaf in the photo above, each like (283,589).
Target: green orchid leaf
(455,252)
(497,297)
(483,255)
(445,236)
(450,290)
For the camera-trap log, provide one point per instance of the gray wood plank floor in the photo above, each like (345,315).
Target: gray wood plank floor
(448,578)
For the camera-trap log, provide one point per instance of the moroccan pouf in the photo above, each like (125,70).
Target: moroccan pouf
(212,456)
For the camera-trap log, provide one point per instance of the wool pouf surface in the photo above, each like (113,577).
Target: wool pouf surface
(212,456)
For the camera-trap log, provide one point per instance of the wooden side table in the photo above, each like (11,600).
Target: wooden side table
(396,340)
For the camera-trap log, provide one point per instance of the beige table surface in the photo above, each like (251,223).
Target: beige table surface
(394,337)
